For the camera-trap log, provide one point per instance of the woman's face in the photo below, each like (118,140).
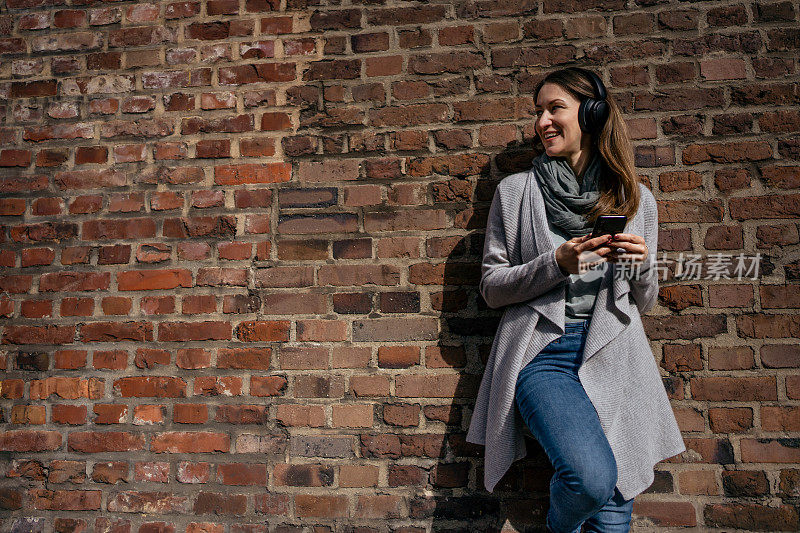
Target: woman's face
(557,123)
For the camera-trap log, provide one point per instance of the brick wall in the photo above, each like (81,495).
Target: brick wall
(241,244)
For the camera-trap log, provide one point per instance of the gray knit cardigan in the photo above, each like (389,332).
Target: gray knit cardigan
(618,372)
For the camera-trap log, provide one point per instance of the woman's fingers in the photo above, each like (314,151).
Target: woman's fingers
(607,248)
(629,237)
(635,254)
(628,246)
(586,251)
(592,243)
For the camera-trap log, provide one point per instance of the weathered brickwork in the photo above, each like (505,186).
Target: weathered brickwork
(241,244)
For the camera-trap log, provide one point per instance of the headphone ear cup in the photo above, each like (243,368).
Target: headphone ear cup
(600,112)
(592,115)
(583,120)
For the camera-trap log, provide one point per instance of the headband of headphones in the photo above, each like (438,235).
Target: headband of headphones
(597,83)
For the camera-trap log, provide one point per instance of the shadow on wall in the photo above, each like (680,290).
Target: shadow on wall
(467,329)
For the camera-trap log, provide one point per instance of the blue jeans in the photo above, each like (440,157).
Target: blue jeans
(560,415)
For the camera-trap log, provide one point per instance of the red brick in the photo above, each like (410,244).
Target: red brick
(730,420)
(190,413)
(15,158)
(272,504)
(398,356)
(146,415)
(774,418)
(383,506)
(731,295)
(220,504)
(151,387)
(689,419)
(110,413)
(321,330)
(352,475)
(321,506)
(763,325)
(244,358)
(193,472)
(362,386)
(258,73)
(349,275)
(409,115)
(68,414)
(682,357)
(109,441)
(300,415)
(751,516)
(352,415)
(438,386)
(252,173)
(314,386)
(263,331)
(205,527)
(212,386)
(780,296)
(198,331)
(28,414)
(455,35)
(303,475)
(730,358)
(667,513)
(110,472)
(65,500)
(402,415)
(63,387)
(184,442)
(406,475)
(242,474)
(258,50)
(734,388)
(406,15)
(780,356)
(141,502)
(110,360)
(450,475)
(153,472)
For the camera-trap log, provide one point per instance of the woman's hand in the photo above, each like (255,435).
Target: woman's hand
(580,253)
(634,249)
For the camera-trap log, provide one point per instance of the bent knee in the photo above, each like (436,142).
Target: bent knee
(595,485)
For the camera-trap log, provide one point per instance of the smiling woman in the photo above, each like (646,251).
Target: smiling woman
(557,126)
(571,360)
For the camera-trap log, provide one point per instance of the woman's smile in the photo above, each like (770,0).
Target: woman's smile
(558,128)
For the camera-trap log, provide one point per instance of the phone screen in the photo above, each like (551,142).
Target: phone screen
(609,224)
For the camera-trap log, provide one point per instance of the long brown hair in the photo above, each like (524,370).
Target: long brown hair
(619,184)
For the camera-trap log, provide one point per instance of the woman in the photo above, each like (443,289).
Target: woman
(570,359)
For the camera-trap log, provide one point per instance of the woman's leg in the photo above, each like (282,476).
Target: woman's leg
(614,517)
(560,415)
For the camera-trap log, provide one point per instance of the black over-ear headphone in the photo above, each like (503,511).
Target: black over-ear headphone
(593,112)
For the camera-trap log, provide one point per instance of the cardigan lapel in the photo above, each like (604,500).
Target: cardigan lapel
(612,307)
(612,311)
(535,240)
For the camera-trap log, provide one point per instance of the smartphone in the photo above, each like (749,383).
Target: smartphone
(609,224)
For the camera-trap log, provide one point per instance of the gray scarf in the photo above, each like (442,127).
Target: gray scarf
(564,198)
